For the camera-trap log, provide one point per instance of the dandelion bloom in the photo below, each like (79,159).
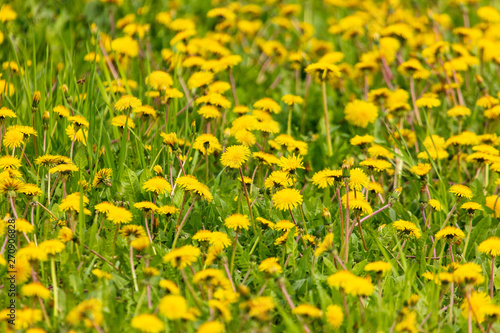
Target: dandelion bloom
(9,162)
(340,279)
(148,323)
(13,139)
(260,307)
(469,273)
(65,234)
(292,99)
(323,70)
(119,215)
(183,256)
(379,267)
(270,266)
(235,156)
(359,140)
(158,185)
(334,315)
(102,274)
(211,327)
(359,287)
(490,246)
(287,199)
(207,144)
(326,177)
(127,102)
(52,246)
(407,229)
(493,202)
(141,243)
(267,104)
(35,289)
(436,205)
(479,301)
(237,222)
(421,169)
(122,120)
(307,310)
(360,205)
(291,163)
(360,113)
(220,239)
(132,232)
(89,312)
(461,191)
(159,80)
(450,234)
(170,286)
(358,179)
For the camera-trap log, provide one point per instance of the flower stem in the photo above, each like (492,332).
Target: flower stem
(248,200)
(54,286)
(289,126)
(182,223)
(233,255)
(327,123)
(132,268)
(346,243)
(491,275)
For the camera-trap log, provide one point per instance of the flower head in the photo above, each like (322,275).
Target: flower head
(287,199)
(235,156)
(360,113)
(183,256)
(461,191)
(490,246)
(237,222)
(407,229)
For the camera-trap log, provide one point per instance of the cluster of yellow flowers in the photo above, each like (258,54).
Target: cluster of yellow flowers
(252,166)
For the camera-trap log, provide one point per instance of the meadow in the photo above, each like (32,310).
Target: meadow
(249,166)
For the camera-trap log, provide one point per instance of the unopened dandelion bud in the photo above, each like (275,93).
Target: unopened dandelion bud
(326,213)
(480,82)
(36,100)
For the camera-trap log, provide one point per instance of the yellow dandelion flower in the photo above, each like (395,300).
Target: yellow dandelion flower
(490,246)
(334,315)
(360,113)
(237,222)
(158,185)
(127,102)
(35,289)
(307,310)
(407,229)
(235,156)
(461,191)
(183,256)
(287,199)
(270,266)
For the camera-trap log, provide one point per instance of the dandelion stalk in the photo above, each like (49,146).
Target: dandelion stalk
(114,239)
(327,123)
(346,246)
(469,317)
(361,232)
(54,286)
(248,200)
(468,236)
(289,126)
(342,231)
(190,288)
(182,223)
(233,255)
(228,273)
(491,275)
(132,268)
(72,144)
